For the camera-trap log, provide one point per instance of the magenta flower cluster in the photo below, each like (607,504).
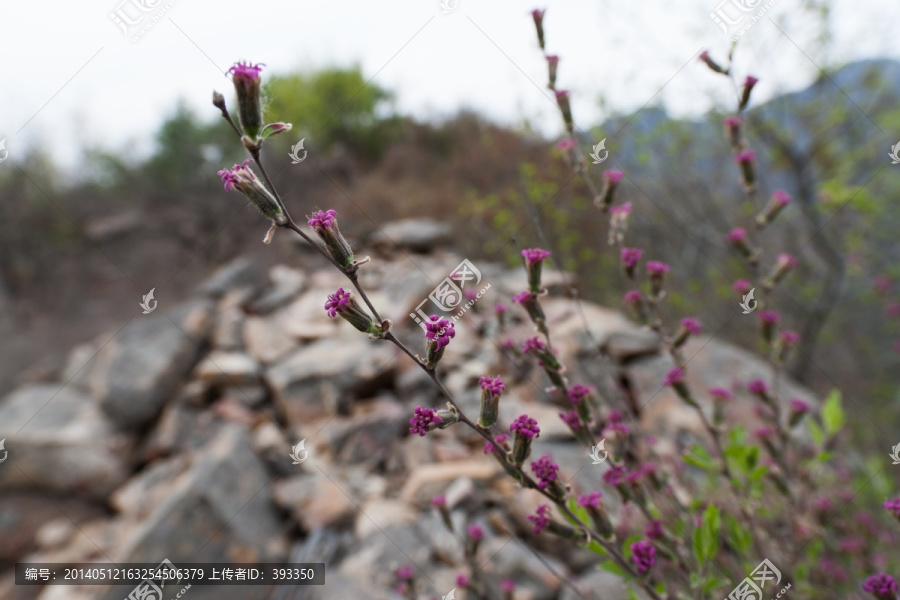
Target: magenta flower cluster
(525,426)
(336,301)
(590,500)
(322,219)
(422,419)
(533,344)
(578,392)
(643,555)
(545,470)
(489,447)
(534,255)
(440,330)
(541,518)
(881,586)
(493,384)
(246,70)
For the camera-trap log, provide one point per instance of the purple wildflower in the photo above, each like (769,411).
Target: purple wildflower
(462,580)
(745,159)
(501,439)
(545,470)
(611,180)
(492,384)
(571,419)
(439,501)
(475,532)
(882,586)
(749,82)
(540,518)
(245,181)
(657,271)
(538,16)
(674,377)
(322,219)
(565,144)
(614,475)
(893,507)
(534,259)
(733,129)
(578,392)
(552,65)
(591,499)
(705,58)
(776,204)
(742,286)
(335,301)
(643,554)
(654,529)
(405,572)
(630,258)
(565,108)
(758,387)
(438,333)
(424,420)
(245,77)
(508,586)
(525,429)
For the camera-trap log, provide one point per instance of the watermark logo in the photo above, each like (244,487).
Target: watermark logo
(5,452)
(895,454)
(4,154)
(136,17)
(148,590)
(296,159)
(450,596)
(448,296)
(751,588)
(297,450)
(448,5)
(601,145)
(735,13)
(747,300)
(145,304)
(895,151)
(594,454)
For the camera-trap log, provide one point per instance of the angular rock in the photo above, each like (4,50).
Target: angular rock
(219,508)
(314,500)
(58,440)
(135,373)
(416,235)
(227,368)
(286,283)
(242,271)
(309,382)
(265,341)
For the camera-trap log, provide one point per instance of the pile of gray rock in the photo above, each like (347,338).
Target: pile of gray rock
(176,435)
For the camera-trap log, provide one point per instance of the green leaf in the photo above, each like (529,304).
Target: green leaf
(596,548)
(740,537)
(613,567)
(833,413)
(632,595)
(579,511)
(706,537)
(818,436)
(699,457)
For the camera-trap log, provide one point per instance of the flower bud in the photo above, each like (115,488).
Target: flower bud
(538,16)
(325,224)
(552,64)
(713,65)
(689,326)
(635,300)
(562,100)
(246,86)
(474,537)
(534,258)
(630,258)
(274,129)
(788,340)
(440,503)
(595,510)
(783,265)
(240,177)
(767,321)
(758,388)
(524,429)
(531,304)
(675,379)
(218,101)
(611,180)
(738,239)
(657,272)
(438,333)
(733,129)
(776,204)
(745,160)
(799,409)
(491,388)
(344,304)
(618,223)
(720,397)
(748,87)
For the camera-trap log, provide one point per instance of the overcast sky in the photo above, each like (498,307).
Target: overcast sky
(73,78)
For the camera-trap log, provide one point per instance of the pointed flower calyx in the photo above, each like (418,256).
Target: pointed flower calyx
(343,304)
(325,224)
(524,430)
(242,178)
(534,259)
(491,388)
(438,332)
(245,77)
